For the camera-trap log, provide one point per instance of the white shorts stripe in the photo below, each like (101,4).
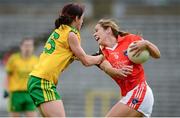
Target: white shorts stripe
(140,94)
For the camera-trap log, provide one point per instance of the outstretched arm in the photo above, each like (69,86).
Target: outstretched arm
(76,48)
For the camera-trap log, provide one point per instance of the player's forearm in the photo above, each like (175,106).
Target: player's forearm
(6,83)
(154,51)
(91,60)
(109,70)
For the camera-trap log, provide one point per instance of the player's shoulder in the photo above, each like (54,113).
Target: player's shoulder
(15,55)
(13,58)
(72,35)
(133,37)
(72,29)
(67,28)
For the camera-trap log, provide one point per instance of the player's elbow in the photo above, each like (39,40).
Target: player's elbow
(157,55)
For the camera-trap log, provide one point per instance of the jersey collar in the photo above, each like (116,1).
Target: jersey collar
(113,48)
(119,39)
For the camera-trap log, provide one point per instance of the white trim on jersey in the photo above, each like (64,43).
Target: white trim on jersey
(114,47)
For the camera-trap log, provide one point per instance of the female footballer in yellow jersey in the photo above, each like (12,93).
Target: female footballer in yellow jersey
(60,50)
(18,67)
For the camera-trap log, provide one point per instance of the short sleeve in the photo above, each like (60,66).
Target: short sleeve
(134,37)
(10,64)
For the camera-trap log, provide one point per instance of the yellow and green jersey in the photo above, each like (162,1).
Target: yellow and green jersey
(56,56)
(19,69)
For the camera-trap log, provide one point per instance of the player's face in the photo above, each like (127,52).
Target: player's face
(79,22)
(27,48)
(100,35)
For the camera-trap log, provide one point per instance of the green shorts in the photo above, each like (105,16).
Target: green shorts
(21,101)
(42,90)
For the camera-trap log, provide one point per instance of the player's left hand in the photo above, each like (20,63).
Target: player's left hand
(138,47)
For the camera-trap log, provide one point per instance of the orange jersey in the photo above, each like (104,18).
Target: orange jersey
(117,57)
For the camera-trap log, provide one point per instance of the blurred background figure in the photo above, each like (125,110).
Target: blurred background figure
(18,67)
(157,20)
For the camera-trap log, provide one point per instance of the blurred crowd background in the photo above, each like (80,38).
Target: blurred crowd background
(88,91)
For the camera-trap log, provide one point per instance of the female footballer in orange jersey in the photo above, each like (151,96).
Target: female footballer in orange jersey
(137,97)
(59,51)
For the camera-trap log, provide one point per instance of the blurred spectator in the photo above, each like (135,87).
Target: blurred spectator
(18,67)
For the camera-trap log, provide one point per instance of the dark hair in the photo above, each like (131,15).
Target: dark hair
(26,39)
(69,13)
